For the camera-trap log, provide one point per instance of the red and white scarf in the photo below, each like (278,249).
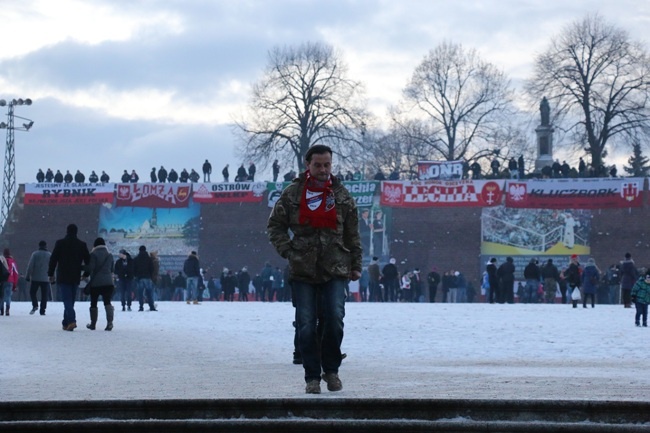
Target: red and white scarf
(317,206)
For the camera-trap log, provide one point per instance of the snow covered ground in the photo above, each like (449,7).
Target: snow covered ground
(244,350)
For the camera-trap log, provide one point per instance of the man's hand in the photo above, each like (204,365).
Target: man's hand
(52,281)
(355,275)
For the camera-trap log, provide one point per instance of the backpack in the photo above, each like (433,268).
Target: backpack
(4,273)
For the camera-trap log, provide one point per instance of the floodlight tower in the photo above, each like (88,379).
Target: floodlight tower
(9,181)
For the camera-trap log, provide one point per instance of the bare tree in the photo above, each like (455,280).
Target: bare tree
(598,80)
(303,99)
(458,97)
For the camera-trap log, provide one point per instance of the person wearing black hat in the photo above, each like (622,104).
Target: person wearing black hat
(68,259)
(124,273)
(37,274)
(143,272)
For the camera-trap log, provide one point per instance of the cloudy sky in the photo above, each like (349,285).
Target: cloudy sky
(134,84)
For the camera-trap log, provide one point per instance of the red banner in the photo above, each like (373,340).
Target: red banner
(68,193)
(598,193)
(440,193)
(235,192)
(154,195)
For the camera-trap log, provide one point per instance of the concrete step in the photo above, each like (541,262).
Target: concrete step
(325,414)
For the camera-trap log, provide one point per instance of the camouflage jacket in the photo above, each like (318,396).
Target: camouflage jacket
(316,255)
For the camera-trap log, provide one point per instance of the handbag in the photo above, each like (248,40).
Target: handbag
(86,288)
(575,294)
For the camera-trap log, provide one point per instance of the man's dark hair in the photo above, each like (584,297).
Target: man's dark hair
(318,149)
(72,229)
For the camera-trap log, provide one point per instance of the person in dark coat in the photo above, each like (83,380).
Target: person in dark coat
(572,276)
(192,269)
(162,174)
(143,271)
(506,274)
(629,275)
(433,279)
(207,171)
(124,273)
(153,176)
(590,278)
(493,280)
(390,279)
(68,259)
(243,281)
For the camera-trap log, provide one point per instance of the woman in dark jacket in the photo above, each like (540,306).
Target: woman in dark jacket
(590,279)
(100,270)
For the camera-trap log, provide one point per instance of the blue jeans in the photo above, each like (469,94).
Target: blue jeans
(327,300)
(192,288)
(68,295)
(641,313)
(531,291)
(7,288)
(145,288)
(124,286)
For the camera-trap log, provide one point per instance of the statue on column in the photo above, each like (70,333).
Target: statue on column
(545,110)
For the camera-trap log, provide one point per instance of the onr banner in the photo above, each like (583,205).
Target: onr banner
(234,192)
(153,195)
(597,193)
(440,170)
(68,193)
(441,193)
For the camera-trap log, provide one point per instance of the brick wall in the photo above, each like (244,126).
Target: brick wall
(234,235)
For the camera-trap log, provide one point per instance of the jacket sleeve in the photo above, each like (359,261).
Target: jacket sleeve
(278,225)
(351,237)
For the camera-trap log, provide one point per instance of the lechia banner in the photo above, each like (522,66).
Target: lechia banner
(442,193)
(153,195)
(68,193)
(598,193)
(363,191)
(235,192)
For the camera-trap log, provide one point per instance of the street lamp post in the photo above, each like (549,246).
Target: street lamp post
(9,181)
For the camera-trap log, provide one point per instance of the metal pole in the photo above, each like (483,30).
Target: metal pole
(9,181)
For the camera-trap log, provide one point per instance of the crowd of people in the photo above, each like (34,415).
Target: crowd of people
(160,175)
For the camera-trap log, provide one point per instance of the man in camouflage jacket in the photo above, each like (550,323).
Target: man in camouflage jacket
(324,253)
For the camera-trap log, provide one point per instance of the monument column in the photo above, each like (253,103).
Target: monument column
(544,138)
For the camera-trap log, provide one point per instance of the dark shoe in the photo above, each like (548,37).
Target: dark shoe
(141,309)
(333,381)
(124,308)
(42,312)
(128,308)
(153,309)
(645,325)
(70,326)
(7,311)
(313,387)
(33,311)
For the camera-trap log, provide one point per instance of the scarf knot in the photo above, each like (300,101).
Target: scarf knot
(317,206)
